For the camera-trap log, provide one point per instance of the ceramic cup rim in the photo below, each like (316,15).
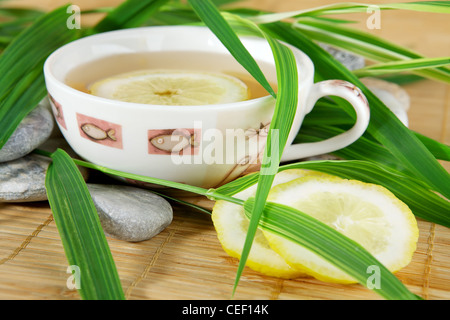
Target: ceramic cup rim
(304,64)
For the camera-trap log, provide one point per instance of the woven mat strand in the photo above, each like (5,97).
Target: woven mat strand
(185,261)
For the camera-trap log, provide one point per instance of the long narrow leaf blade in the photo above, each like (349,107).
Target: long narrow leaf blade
(280,127)
(439,150)
(21,83)
(285,107)
(401,66)
(214,20)
(351,7)
(361,149)
(329,244)
(31,47)
(131,13)
(365,44)
(28,92)
(422,202)
(81,233)
(384,125)
(330,114)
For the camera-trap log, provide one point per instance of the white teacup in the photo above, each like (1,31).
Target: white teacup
(226,140)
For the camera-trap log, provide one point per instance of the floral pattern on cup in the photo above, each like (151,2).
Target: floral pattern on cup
(57,111)
(174,141)
(100,131)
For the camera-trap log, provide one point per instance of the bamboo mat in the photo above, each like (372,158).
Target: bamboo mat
(186,261)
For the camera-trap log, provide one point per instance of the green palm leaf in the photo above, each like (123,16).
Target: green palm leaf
(131,13)
(214,20)
(422,202)
(384,126)
(366,45)
(301,228)
(81,233)
(402,66)
(351,7)
(22,85)
(331,115)
(317,237)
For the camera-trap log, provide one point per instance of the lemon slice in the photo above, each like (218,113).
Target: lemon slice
(171,87)
(366,213)
(231,226)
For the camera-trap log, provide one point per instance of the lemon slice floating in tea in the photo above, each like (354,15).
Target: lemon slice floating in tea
(231,226)
(366,213)
(172,87)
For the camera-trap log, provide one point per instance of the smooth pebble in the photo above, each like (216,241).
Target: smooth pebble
(350,60)
(23,180)
(130,213)
(392,95)
(34,129)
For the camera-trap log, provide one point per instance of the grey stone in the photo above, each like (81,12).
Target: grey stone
(350,60)
(130,213)
(54,143)
(34,129)
(392,95)
(23,180)
(322,157)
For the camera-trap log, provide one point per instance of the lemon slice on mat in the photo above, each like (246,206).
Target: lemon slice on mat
(171,87)
(231,226)
(366,213)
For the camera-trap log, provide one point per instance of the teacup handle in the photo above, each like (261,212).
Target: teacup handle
(355,97)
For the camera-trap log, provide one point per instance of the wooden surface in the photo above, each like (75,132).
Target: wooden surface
(186,261)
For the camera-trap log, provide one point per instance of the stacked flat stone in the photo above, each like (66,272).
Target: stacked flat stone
(126,213)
